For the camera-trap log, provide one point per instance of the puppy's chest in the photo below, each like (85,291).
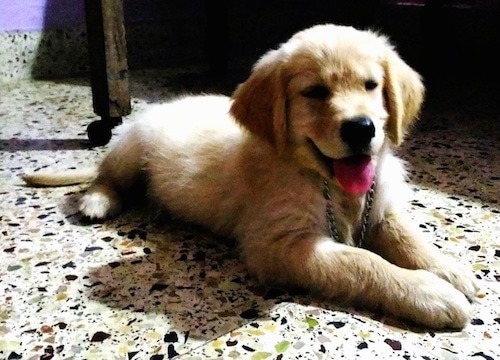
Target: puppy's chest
(305,208)
(343,216)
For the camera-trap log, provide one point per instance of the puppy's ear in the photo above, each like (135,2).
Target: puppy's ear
(259,104)
(404,94)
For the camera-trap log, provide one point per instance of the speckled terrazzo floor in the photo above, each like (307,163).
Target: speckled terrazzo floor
(145,287)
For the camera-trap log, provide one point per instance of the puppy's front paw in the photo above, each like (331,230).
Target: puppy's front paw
(462,279)
(434,302)
(100,202)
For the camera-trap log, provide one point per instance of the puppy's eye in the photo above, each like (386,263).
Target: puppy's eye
(318,92)
(370,84)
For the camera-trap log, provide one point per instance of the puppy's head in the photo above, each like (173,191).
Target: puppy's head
(330,97)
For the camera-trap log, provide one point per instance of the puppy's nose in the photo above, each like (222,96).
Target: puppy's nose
(357,132)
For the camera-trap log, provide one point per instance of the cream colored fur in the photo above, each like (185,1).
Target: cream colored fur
(252,167)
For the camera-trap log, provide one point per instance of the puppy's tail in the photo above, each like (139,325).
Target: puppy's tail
(60,178)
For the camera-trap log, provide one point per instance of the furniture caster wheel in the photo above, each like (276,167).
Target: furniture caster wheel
(99,132)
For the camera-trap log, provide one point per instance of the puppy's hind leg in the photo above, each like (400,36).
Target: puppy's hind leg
(117,173)
(100,201)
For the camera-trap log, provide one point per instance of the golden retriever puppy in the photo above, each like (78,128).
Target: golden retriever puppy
(298,167)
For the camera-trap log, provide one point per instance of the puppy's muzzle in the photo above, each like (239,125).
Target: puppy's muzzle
(357,133)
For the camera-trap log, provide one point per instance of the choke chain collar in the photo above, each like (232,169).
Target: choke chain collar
(330,217)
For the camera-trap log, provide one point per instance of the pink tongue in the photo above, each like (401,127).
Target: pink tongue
(355,173)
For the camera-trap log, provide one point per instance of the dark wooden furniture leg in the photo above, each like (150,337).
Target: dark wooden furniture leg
(108,67)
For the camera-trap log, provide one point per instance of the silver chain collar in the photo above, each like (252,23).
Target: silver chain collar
(330,218)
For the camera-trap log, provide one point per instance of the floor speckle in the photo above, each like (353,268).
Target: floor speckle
(142,286)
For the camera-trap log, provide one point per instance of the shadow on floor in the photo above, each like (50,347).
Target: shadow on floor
(15,144)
